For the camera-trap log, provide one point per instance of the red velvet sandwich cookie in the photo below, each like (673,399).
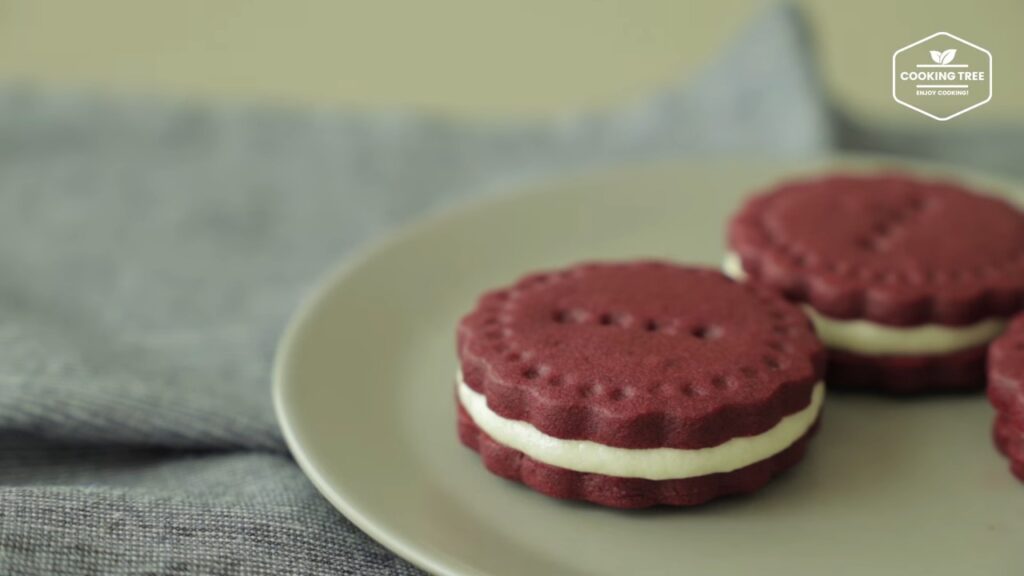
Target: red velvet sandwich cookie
(1006,392)
(637,384)
(906,280)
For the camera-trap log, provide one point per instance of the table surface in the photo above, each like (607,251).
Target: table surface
(528,58)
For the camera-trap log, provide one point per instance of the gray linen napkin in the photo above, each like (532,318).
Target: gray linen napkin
(150,254)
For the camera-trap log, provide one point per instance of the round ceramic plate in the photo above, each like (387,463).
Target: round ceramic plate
(364,393)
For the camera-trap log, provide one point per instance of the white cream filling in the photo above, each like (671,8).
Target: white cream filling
(649,463)
(873,339)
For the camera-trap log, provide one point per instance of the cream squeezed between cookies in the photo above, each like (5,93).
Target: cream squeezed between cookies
(649,463)
(872,339)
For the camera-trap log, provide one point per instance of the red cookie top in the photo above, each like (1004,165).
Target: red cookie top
(1006,371)
(889,248)
(640,355)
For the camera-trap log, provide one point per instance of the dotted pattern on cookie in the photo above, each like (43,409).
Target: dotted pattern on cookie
(888,247)
(782,326)
(582,363)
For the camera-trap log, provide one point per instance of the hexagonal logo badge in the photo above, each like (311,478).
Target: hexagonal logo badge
(942,76)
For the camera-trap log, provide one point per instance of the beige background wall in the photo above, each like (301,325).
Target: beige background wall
(471,57)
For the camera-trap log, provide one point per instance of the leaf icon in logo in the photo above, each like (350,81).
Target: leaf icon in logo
(944,57)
